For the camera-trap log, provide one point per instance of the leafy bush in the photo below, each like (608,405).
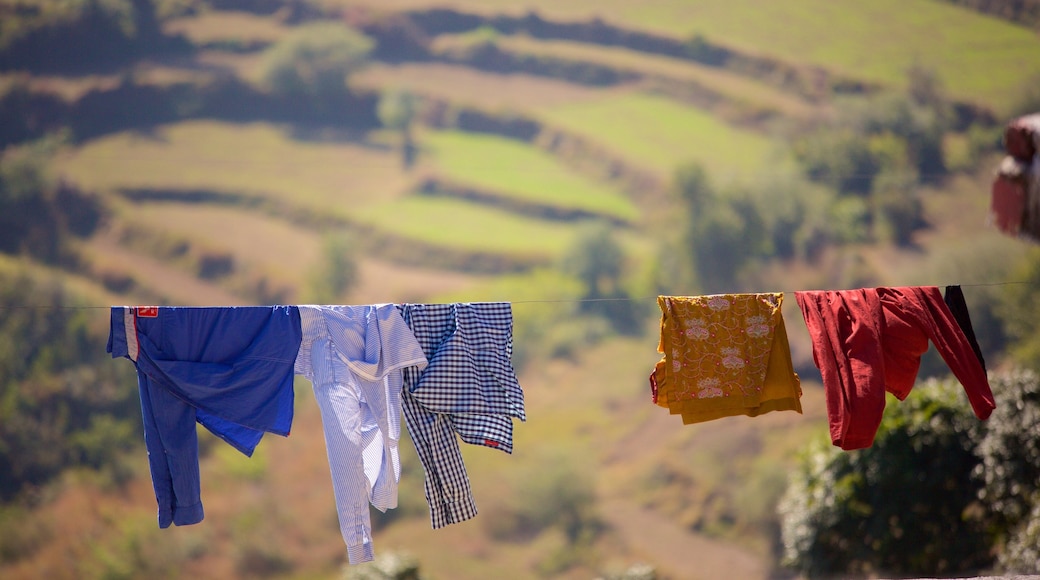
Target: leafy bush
(559,496)
(597,260)
(337,271)
(1010,450)
(38,215)
(939,492)
(724,232)
(63,403)
(134,548)
(66,35)
(839,158)
(20,534)
(314,60)
(905,506)
(1021,555)
(396,110)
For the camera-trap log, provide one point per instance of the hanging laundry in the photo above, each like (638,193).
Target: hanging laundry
(954,298)
(1008,196)
(230,369)
(354,356)
(1022,137)
(869,341)
(724,355)
(1015,193)
(469,388)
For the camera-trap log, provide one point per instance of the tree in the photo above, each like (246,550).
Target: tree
(396,111)
(597,260)
(724,231)
(905,506)
(314,60)
(337,272)
(38,214)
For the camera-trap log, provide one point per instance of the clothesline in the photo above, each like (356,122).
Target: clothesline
(544,301)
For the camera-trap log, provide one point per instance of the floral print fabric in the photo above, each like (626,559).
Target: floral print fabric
(724,355)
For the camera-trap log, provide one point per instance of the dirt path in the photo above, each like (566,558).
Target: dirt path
(677,552)
(673,549)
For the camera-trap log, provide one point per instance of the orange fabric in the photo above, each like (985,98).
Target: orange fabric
(724,355)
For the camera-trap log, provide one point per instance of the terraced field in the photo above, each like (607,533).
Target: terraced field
(487,213)
(863,40)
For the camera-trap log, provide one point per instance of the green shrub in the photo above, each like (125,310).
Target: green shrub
(901,507)
(336,272)
(561,496)
(1021,555)
(134,548)
(314,60)
(21,534)
(63,401)
(1010,449)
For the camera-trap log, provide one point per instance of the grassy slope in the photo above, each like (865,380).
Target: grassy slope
(257,159)
(660,134)
(737,88)
(522,172)
(877,40)
(357,180)
(466,226)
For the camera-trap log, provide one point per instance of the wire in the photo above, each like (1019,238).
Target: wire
(542,301)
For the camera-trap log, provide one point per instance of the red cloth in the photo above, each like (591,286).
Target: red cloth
(1008,201)
(1022,137)
(869,341)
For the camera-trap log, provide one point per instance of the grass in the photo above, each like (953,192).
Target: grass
(466,226)
(522,172)
(981,59)
(661,134)
(332,175)
(732,86)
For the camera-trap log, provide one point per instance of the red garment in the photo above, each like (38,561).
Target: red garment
(1008,196)
(1022,137)
(869,341)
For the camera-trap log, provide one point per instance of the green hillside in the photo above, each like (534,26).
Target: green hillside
(575,158)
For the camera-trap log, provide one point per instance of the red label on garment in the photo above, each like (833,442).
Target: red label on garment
(148,311)
(490,443)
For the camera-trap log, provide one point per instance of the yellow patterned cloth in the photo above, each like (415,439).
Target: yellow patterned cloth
(724,355)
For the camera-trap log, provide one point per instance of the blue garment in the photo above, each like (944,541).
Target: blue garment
(230,369)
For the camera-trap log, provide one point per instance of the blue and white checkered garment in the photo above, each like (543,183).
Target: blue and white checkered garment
(469,388)
(353,356)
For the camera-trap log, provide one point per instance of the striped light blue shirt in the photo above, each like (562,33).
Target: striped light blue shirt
(353,356)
